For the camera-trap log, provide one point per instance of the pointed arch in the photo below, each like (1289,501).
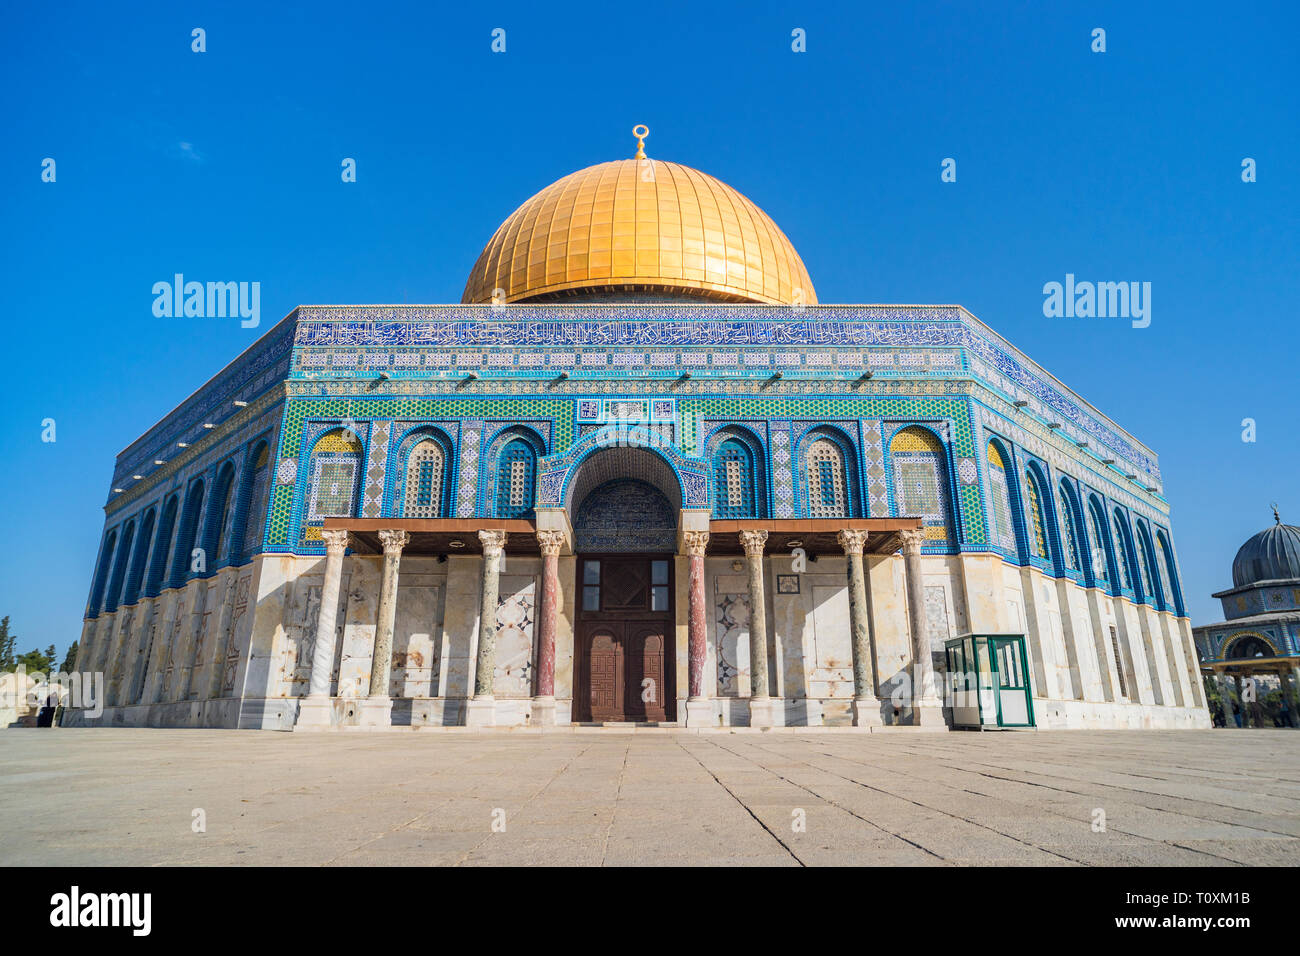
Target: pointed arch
(1037,530)
(1147,565)
(218,513)
(181,557)
(1071,529)
(739,482)
(828,473)
(514,486)
(1125,553)
(136,574)
(334,475)
(106,552)
(1102,569)
(424,478)
(1002,531)
(919,472)
(254,496)
(161,548)
(1169,574)
(116,582)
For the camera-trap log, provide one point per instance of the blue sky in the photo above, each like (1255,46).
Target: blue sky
(225,165)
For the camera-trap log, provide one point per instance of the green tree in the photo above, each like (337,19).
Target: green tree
(70,659)
(36,661)
(7,642)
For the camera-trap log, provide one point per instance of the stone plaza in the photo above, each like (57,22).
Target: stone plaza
(652,796)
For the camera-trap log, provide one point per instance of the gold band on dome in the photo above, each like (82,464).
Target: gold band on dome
(611,228)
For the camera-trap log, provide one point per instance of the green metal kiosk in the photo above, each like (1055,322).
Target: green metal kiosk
(988,681)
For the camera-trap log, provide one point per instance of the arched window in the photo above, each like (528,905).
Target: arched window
(1036,520)
(1168,575)
(162,542)
(182,556)
(1069,535)
(136,574)
(1097,532)
(1004,535)
(516,479)
(1122,551)
(101,574)
(218,511)
(257,482)
(119,568)
(425,480)
(735,481)
(921,480)
(827,485)
(335,464)
(1146,557)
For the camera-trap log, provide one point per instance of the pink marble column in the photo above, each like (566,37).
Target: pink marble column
(550,543)
(698,708)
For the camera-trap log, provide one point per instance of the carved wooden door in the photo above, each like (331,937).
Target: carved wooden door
(606,665)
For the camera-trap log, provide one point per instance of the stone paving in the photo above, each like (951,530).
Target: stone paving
(113,796)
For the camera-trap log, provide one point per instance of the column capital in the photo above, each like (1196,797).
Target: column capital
(852,541)
(550,541)
(753,542)
(695,542)
(493,542)
(912,539)
(394,540)
(336,541)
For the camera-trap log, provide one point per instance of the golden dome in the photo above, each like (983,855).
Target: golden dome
(641,227)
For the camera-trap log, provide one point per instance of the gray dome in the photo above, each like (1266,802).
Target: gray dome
(1271,555)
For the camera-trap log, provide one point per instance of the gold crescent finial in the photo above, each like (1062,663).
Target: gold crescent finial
(1277,518)
(640,131)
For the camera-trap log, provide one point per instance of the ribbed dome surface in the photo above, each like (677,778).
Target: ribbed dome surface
(1271,555)
(640,226)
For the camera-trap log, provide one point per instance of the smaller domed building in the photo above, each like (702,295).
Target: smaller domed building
(1260,636)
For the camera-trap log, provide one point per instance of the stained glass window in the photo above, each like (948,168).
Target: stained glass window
(1072,559)
(1037,525)
(424,473)
(826,484)
(1003,535)
(734,480)
(1121,548)
(515,478)
(920,484)
(1097,528)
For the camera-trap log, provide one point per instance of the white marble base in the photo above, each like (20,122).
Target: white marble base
(699,713)
(929,714)
(315,713)
(481,712)
(375,712)
(763,712)
(866,712)
(543,712)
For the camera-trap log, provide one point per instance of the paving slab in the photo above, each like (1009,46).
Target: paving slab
(116,796)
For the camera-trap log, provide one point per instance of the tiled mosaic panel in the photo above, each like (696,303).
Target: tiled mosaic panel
(373,496)
(300,410)
(955,410)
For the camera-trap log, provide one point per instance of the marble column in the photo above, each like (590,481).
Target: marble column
(550,543)
(377,707)
(699,706)
(316,709)
(866,705)
(480,710)
(927,708)
(762,709)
